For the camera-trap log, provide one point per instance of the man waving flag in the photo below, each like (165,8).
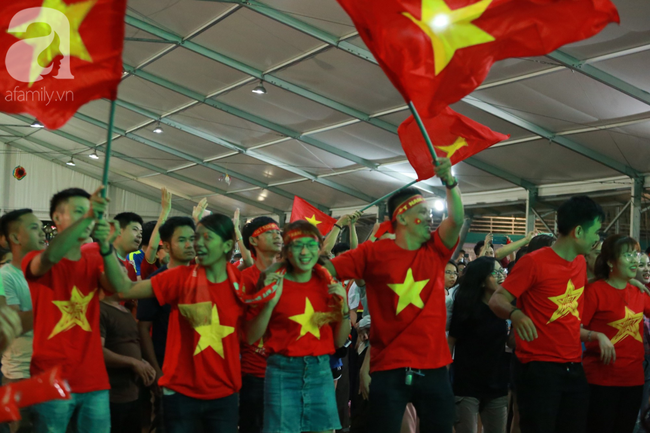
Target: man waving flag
(59,55)
(435,52)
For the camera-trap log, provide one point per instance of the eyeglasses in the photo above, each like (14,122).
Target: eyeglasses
(499,272)
(632,256)
(311,246)
(455,274)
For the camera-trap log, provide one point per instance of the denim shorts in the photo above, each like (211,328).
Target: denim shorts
(299,395)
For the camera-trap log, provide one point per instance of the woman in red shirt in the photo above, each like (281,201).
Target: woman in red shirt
(201,373)
(612,322)
(306,321)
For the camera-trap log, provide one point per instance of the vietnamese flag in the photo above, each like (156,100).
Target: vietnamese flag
(302,210)
(435,52)
(453,136)
(59,55)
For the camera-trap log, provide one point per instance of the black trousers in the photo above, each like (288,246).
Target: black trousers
(251,404)
(613,409)
(430,394)
(552,397)
(126,417)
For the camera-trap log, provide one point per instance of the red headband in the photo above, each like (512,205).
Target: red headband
(265,228)
(297,234)
(406,205)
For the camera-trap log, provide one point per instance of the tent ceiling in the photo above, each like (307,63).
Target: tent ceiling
(326,128)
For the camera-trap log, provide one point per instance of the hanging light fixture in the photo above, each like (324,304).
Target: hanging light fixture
(71,162)
(37,124)
(260,90)
(158,129)
(94,155)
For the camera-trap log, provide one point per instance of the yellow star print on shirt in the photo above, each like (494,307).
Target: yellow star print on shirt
(451,30)
(73,312)
(32,32)
(453,148)
(409,292)
(566,303)
(313,220)
(306,321)
(628,326)
(210,329)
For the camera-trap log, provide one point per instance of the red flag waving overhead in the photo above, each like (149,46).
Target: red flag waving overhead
(59,55)
(435,52)
(453,136)
(304,211)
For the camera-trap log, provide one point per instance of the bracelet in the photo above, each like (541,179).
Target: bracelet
(513,310)
(452,185)
(110,251)
(336,225)
(239,240)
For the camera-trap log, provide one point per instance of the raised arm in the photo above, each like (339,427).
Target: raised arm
(354,237)
(450,227)
(512,247)
(166,208)
(245,254)
(333,235)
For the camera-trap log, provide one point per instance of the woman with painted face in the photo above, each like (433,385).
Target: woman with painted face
(201,373)
(478,337)
(306,321)
(612,330)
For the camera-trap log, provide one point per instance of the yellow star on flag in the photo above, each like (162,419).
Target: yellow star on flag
(453,148)
(306,321)
(628,326)
(313,220)
(409,292)
(566,303)
(212,332)
(451,30)
(53,15)
(73,312)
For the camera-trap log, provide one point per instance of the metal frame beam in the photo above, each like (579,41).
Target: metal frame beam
(635,209)
(149,166)
(545,133)
(531,201)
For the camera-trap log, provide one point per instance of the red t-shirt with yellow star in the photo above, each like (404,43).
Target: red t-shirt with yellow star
(253,356)
(549,290)
(66,320)
(202,355)
(294,329)
(619,315)
(406,299)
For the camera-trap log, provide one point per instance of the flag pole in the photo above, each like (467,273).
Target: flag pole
(425,134)
(379,200)
(109,140)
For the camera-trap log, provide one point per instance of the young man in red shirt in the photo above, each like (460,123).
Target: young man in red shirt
(549,284)
(128,240)
(405,290)
(263,238)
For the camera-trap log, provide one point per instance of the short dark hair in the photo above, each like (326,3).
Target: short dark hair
(612,248)
(126,218)
(578,211)
(64,196)
(540,241)
(222,226)
(250,227)
(167,229)
(398,198)
(147,231)
(303,226)
(462,251)
(340,248)
(478,246)
(451,262)
(8,219)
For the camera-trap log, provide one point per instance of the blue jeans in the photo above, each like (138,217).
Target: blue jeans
(185,414)
(91,411)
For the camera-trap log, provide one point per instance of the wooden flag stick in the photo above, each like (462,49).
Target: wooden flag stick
(109,140)
(379,200)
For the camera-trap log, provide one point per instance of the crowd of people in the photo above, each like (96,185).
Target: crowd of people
(156,327)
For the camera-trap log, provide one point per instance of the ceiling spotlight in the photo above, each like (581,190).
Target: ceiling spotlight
(439,205)
(37,124)
(94,155)
(158,129)
(71,162)
(260,90)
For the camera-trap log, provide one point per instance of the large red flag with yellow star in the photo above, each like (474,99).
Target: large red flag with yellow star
(302,210)
(453,136)
(58,55)
(435,52)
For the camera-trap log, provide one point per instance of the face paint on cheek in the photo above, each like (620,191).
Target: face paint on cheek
(418,221)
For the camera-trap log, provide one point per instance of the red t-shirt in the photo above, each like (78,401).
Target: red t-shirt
(549,290)
(253,356)
(66,320)
(293,330)
(406,298)
(201,360)
(146,269)
(130,270)
(619,315)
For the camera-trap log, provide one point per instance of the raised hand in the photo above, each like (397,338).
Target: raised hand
(236,220)
(199,209)
(443,170)
(98,204)
(166,201)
